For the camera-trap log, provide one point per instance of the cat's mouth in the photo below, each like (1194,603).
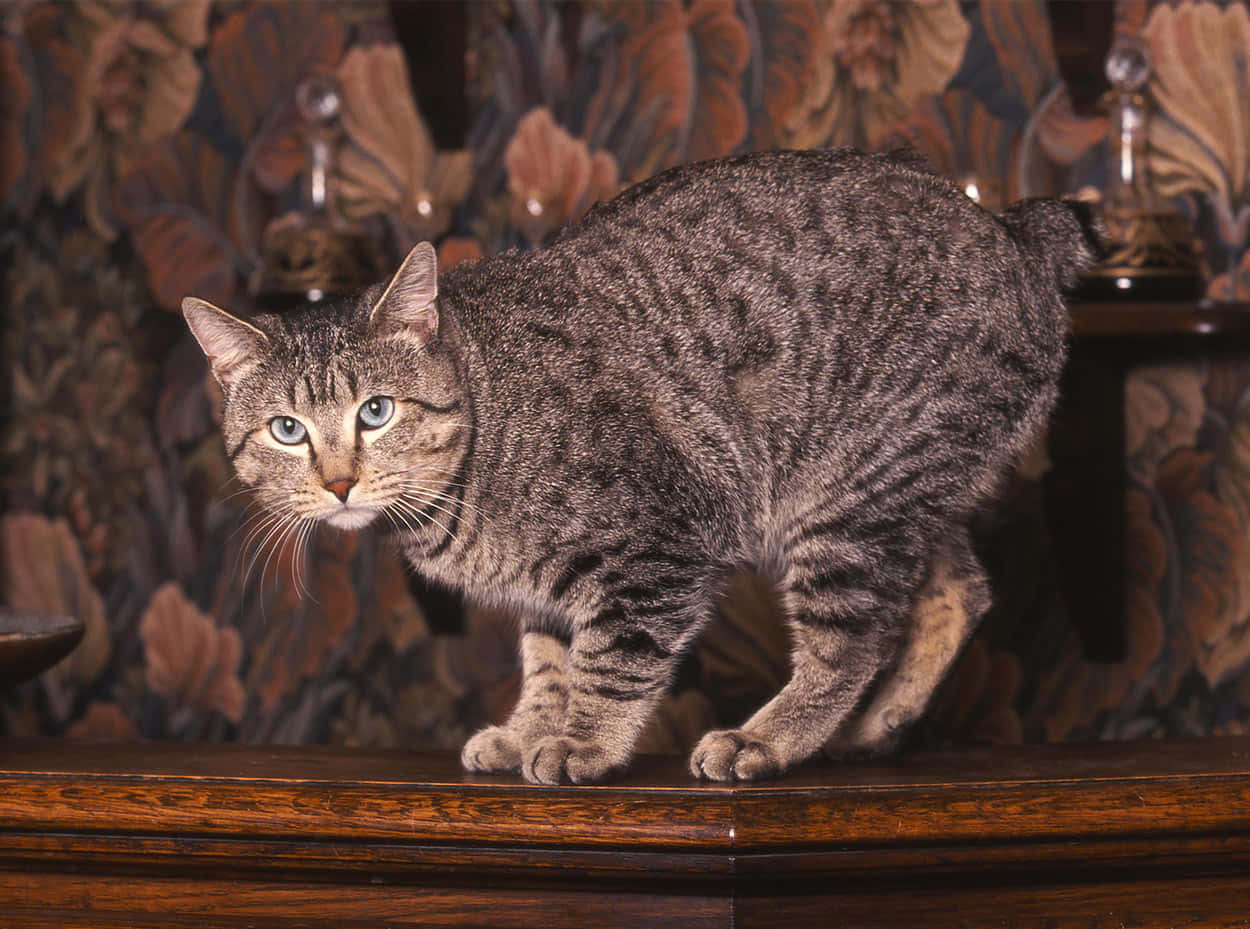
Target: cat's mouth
(351,517)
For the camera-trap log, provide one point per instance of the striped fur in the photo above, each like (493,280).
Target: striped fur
(814,364)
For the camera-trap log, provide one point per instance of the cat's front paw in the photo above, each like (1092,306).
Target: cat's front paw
(733,754)
(493,750)
(555,758)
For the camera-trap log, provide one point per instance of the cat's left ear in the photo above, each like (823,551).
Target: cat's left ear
(409,305)
(233,346)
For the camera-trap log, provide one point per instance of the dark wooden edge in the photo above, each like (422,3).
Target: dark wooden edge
(230,801)
(165,835)
(1205,320)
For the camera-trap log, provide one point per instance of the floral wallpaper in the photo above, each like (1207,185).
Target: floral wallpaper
(145,147)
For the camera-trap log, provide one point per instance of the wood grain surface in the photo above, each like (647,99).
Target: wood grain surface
(165,834)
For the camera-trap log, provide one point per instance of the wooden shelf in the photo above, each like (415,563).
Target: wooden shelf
(1156,320)
(175,835)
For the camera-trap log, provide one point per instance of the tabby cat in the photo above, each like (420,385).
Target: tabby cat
(816,364)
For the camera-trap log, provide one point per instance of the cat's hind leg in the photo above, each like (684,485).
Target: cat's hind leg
(539,711)
(953,599)
(847,588)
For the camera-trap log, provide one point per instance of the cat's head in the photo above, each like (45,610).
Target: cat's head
(342,411)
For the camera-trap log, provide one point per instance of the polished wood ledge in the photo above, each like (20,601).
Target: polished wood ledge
(1210,322)
(171,835)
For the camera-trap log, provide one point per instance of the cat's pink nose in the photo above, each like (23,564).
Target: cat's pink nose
(341,488)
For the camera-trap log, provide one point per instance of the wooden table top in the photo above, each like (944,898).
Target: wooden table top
(990,794)
(175,836)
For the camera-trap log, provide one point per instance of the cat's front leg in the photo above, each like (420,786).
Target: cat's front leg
(539,712)
(619,667)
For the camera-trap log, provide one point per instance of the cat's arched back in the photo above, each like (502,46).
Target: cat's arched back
(817,364)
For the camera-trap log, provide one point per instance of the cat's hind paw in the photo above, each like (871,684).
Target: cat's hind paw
(493,750)
(556,758)
(733,754)
(878,733)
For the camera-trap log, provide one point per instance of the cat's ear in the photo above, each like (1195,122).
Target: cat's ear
(232,345)
(409,305)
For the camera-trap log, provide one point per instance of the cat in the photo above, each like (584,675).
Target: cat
(816,364)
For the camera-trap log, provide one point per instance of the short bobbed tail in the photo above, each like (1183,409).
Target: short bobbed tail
(1067,236)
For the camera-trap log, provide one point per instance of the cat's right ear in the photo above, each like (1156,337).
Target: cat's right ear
(232,345)
(409,305)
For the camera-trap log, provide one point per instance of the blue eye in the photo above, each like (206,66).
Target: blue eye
(287,430)
(376,412)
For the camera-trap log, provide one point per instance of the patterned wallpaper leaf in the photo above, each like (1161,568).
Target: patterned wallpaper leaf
(1019,32)
(1075,697)
(1200,136)
(1164,409)
(58,70)
(1064,136)
(256,59)
(142,74)
(1233,471)
(1233,284)
(137,82)
(963,139)
(681,68)
(390,165)
(75,441)
(173,123)
(977,704)
(1012,70)
(552,177)
(1213,551)
(43,570)
(875,61)
(783,42)
(176,204)
(304,604)
(189,659)
(14,116)
(104,722)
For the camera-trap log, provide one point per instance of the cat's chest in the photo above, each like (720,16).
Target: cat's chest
(499,573)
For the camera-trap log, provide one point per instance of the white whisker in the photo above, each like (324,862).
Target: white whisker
(307,528)
(238,493)
(272,528)
(276,533)
(429,467)
(391,519)
(438,494)
(248,518)
(419,515)
(256,524)
(408,522)
(443,481)
(442,509)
